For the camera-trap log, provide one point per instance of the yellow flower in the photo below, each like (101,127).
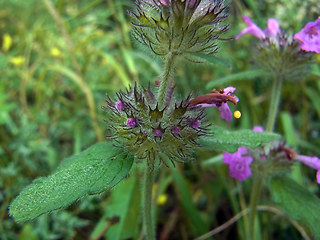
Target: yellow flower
(7,42)
(17,61)
(162,199)
(237,114)
(55,52)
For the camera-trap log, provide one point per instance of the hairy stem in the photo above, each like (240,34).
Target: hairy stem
(275,102)
(147,201)
(169,64)
(254,199)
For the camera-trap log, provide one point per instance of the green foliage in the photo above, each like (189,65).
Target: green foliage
(230,141)
(297,202)
(93,171)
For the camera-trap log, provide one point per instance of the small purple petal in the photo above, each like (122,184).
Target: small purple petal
(239,165)
(119,106)
(225,112)
(252,29)
(175,130)
(273,28)
(131,123)
(312,162)
(229,90)
(157,133)
(258,129)
(195,124)
(318,176)
(310,36)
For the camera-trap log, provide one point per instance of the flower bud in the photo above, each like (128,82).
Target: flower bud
(138,125)
(179,26)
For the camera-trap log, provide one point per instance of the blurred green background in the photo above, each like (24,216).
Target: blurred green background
(58,61)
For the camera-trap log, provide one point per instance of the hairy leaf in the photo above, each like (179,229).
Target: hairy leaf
(245,75)
(230,141)
(297,202)
(92,171)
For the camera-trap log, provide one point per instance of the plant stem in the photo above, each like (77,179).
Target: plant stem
(147,200)
(254,199)
(272,117)
(275,102)
(169,64)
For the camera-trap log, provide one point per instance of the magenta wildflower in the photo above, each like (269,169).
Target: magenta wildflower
(258,129)
(195,124)
(175,130)
(131,123)
(239,163)
(271,31)
(219,100)
(310,36)
(157,133)
(313,162)
(119,106)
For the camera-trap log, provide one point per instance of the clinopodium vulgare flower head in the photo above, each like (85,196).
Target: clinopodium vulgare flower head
(139,126)
(277,51)
(179,26)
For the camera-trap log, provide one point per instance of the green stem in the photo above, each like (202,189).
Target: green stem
(169,64)
(275,102)
(254,199)
(147,200)
(272,117)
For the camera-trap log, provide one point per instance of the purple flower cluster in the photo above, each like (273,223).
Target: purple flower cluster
(309,36)
(239,162)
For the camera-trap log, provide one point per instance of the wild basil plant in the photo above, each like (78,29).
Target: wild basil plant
(153,127)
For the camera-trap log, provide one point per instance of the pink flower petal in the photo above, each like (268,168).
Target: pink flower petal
(273,28)
(252,29)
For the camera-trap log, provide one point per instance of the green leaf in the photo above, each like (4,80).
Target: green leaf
(245,75)
(230,141)
(297,202)
(125,203)
(92,171)
(197,224)
(289,131)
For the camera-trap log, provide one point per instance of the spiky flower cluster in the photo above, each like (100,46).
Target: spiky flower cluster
(277,51)
(138,125)
(179,26)
(283,56)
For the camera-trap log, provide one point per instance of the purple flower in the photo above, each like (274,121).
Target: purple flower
(219,100)
(157,133)
(239,163)
(271,31)
(310,37)
(119,106)
(175,130)
(313,162)
(131,123)
(195,124)
(258,129)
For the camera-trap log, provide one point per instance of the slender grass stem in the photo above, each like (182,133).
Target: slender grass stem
(82,84)
(147,201)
